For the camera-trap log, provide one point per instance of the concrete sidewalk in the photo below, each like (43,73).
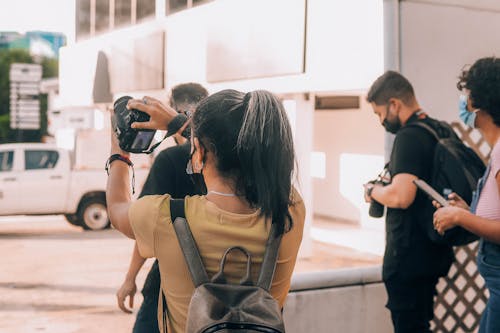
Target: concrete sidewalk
(57,278)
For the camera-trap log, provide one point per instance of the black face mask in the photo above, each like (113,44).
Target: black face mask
(199,183)
(391,126)
(196,178)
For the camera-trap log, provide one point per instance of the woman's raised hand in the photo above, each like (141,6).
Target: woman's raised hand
(159,113)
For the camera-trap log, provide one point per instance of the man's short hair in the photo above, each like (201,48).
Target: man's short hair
(187,94)
(391,85)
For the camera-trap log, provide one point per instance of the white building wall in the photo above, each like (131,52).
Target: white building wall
(344,48)
(353,142)
(343,52)
(455,33)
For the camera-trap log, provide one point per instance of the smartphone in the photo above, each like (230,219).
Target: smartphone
(432,193)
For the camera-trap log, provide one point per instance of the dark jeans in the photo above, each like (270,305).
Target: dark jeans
(411,302)
(147,317)
(488,263)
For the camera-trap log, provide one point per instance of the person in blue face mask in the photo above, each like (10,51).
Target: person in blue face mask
(480,108)
(467,117)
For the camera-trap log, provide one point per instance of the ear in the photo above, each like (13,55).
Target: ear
(199,154)
(395,104)
(470,104)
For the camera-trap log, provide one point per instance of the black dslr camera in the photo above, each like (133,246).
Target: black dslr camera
(376,208)
(130,139)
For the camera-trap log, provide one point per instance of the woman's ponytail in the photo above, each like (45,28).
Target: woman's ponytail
(251,139)
(266,154)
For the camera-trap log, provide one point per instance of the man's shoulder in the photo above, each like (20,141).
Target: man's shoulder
(174,152)
(409,132)
(414,130)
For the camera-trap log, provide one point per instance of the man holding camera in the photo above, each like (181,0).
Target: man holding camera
(167,175)
(412,263)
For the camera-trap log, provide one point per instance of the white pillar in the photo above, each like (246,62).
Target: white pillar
(300,108)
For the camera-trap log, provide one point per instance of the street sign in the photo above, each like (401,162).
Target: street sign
(24,96)
(25,73)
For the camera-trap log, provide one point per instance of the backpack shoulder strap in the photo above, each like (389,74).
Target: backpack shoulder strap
(188,245)
(427,127)
(269,262)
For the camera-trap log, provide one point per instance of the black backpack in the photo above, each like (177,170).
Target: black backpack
(217,306)
(455,168)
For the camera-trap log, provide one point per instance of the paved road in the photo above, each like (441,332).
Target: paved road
(57,278)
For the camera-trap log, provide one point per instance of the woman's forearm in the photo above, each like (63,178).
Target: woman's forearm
(118,197)
(136,264)
(483,227)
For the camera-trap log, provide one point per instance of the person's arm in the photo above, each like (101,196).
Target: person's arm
(118,197)
(156,181)
(409,161)
(129,287)
(400,193)
(448,217)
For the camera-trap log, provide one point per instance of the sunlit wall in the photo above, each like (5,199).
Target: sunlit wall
(330,47)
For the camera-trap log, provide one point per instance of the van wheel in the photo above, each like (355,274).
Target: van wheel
(72,219)
(93,214)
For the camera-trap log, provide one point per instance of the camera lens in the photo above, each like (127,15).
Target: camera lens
(121,103)
(376,209)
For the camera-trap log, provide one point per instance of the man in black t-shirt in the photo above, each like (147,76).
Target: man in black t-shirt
(167,175)
(412,263)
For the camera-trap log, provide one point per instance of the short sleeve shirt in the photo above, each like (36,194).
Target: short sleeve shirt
(214,231)
(409,251)
(168,174)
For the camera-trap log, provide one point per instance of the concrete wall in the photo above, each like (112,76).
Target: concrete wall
(343,50)
(347,301)
(353,142)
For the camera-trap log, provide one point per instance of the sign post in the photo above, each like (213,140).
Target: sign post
(25,97)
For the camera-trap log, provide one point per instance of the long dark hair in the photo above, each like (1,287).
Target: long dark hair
(251,139)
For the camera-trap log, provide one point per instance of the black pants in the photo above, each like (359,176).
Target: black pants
(411,302)
(147,317)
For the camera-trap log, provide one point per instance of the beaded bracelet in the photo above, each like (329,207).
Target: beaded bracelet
(119,157)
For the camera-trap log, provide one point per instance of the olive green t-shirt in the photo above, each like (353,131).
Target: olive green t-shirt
(214,230)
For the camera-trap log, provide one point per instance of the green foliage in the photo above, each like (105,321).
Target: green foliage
(4,128)
(50,69)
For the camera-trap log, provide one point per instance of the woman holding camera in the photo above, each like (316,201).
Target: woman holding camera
(480,108)
(242,146)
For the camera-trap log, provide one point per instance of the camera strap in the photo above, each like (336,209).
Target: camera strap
(176,124)
(173,127)
(153,147)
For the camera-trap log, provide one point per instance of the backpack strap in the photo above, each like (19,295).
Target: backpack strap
(188,245)
(427,127)
(452,135)
(269,262)
(192,255)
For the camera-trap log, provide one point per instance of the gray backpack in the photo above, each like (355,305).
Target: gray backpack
(216,305)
